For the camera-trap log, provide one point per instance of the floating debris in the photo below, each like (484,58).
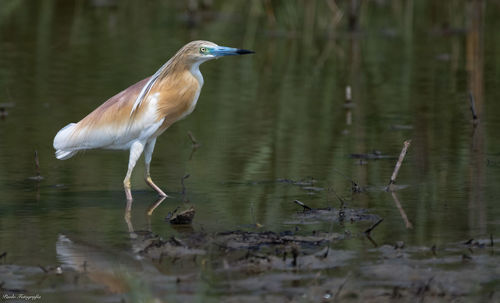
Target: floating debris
(184,217)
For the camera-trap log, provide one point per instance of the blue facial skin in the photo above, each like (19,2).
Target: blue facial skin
(221,51)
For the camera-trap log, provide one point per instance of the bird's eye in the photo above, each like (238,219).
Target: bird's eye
(203,50)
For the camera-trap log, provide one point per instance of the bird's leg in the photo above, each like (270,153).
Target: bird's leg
(148,152)
(135,152)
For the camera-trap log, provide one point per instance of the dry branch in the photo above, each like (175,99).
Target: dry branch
(398,164)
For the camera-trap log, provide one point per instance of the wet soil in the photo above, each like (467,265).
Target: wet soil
(258,265)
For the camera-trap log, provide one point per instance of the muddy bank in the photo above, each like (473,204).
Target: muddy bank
(258,265)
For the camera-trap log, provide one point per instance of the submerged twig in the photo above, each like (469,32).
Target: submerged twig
(475,118)
(398,165)
(37,177)
(369,230)
(371,240)
(302,204)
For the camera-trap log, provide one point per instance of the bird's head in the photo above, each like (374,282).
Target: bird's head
(201,51)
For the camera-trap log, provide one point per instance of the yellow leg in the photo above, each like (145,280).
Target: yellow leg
(135,152)
(148,152)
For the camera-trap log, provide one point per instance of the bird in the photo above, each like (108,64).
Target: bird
(134,118)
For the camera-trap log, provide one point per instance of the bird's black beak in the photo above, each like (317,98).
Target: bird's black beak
(221,51)
(244,51)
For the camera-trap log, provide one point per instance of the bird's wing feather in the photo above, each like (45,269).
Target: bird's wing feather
(147,88)
(109,125)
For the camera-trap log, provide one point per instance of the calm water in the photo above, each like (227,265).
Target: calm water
(278,114)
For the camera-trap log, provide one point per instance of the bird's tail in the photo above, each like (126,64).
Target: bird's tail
(63,149)
(64,154)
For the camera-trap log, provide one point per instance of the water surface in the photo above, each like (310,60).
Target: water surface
(279,114)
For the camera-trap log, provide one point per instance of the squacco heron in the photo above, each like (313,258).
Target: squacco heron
(135,117)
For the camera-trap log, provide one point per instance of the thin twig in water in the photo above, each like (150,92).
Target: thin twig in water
(342,204)
(369,230)
(37,177)
(302,204)
(355,186)
(371,240)
(398,165)
(475,118)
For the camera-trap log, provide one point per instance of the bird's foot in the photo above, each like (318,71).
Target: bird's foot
(160,192)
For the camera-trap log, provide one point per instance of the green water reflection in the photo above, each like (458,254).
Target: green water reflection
(279,114)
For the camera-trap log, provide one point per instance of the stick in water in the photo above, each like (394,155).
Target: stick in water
(398,165)
(369,230)
(38,177)
(302,204)
(475,118)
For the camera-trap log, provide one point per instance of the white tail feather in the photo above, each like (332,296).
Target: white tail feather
(62,140)
(63,154)
(63,136)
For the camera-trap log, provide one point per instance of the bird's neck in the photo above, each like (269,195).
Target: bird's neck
(178,65)
(195,71)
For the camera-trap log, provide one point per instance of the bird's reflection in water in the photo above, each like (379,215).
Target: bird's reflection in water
(137,243)
(117,271)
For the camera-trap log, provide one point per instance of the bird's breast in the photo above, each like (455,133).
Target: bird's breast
(177,99)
